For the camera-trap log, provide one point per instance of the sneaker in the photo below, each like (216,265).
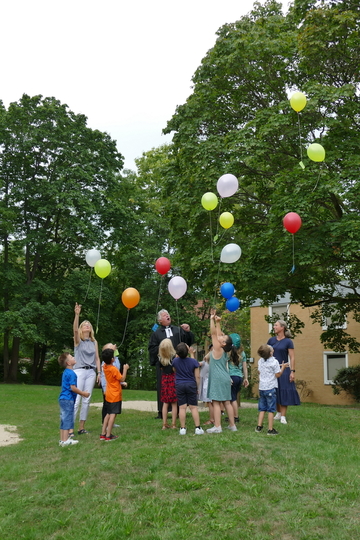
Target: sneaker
(214,430)
(111,438)
(232,428)
(69,442)
(259,429)
(116,425)
(102,437)
(182,431)
(283,420)
(199,431)
(272,432)
(277,416)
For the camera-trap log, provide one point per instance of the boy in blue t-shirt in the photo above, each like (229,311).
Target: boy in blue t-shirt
(67,398)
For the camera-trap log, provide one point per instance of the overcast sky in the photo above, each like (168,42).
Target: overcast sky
(125,64)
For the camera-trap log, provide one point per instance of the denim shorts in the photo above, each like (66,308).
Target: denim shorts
(267,400)
(66,413)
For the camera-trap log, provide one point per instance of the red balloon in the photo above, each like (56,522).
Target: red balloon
(163,265)
(292,222)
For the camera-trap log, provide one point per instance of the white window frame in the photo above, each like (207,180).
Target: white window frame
(341,327)
(326,354)
(287,310)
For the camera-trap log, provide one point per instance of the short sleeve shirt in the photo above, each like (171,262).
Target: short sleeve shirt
(267,369)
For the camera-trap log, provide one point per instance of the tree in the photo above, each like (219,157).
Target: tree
(238,120)
(57,178)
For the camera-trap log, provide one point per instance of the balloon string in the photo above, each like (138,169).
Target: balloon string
(126,323)
(87,292)
(217,225)
(293,249)
(216,283)
(158,300)
(317,181)
(300,137)
(211,240)
(221,237)
(98,315)
(177,312)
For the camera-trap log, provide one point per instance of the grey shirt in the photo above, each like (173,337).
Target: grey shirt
(85,354)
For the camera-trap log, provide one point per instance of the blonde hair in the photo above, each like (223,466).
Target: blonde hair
(91,334)
(166,352)
(284,325)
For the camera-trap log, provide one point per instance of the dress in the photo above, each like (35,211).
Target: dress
(168,391)
(219,387)
(286,393)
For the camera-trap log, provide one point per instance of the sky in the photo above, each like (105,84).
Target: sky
(125,64)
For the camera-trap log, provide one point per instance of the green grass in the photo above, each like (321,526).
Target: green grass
(156,485)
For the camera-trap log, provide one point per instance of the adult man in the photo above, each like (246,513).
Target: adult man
(165,330)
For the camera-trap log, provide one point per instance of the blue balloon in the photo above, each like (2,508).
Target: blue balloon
(233,304)
(227,290)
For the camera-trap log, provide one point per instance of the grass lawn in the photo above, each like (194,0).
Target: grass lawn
(157,485)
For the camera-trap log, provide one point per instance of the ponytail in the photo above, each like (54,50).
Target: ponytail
(234,356)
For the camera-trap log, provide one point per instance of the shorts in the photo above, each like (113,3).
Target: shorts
(66,413)
(267,400)
(235,387)
(113,408)
(187,394)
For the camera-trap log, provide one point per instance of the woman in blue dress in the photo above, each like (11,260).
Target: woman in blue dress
(284,353)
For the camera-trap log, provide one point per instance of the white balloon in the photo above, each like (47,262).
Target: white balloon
(177,287)
(92,257)
(230,253)
(227,185)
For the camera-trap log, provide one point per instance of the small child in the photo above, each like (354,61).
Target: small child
(204,382)
(67,399)
(269,370)
(113,393)
(187,379)
(168,391)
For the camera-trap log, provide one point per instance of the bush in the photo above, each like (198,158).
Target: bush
(348,380)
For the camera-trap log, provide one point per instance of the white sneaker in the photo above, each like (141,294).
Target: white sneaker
(232,428)
(277,416)
(116,425)
(283,420)
(69,442)
(183,431)
(199,431)
(214,430)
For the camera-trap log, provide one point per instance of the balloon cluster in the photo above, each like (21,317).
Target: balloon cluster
(227,290)
(177,285)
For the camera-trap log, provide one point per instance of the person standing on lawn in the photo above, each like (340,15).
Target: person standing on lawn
(168,391)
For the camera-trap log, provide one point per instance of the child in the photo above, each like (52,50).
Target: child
(168,391)
(269,370)
(67,399)
(204,381)
(113,393)
(103,380)
(187,380)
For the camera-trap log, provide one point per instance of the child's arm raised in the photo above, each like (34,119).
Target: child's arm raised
(283,366)
(76,390)
(125,368)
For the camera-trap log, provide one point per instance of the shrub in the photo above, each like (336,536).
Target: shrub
(348,380)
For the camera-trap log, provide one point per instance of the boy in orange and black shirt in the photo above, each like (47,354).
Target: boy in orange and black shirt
(113,393)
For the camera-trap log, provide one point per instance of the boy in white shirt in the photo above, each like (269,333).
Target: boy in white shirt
(269,371)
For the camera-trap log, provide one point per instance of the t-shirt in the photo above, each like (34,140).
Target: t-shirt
(281,348)
(184,369)
(267,369)
(113,392)
(68,379)
(237,371)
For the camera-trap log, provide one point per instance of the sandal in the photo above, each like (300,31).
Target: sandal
(173,426)
(83,432)
(208,423)
(165,426)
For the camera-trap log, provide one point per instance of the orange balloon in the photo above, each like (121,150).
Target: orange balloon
(130,297)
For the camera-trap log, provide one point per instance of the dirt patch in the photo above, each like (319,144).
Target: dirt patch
(8,435)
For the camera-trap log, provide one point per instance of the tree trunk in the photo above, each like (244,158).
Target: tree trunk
(40,361)
(14,360)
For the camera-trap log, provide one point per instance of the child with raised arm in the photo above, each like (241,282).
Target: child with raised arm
(113,393)
(68,394)
(269,371)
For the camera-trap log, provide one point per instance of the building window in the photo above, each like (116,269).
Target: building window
(327,321)
(332,363)
(278,312)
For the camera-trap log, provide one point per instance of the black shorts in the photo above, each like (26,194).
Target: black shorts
(187,394)
(113,408)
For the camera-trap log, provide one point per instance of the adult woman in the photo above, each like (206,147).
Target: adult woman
(284,353)
(87,367)
(219,386)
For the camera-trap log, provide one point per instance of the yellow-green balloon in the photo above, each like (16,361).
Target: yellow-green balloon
(298,101)
(209,200)
(102,268)
(316,152)
(226,220)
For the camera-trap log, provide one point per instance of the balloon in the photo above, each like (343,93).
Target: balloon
(232,304)
(227,290)
(92,256)
(298,101)
(226,220)
(177,287)
(316,152)
(102,268)
(130,297)
(162,265)
(230,253)
(227,185)
(209,201)
(292,222)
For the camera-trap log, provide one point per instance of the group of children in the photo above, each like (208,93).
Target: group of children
(180,387)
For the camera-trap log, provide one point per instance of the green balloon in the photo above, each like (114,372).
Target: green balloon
(209,201)
(316,152)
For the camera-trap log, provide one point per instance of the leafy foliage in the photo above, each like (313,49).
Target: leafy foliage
(348,380)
